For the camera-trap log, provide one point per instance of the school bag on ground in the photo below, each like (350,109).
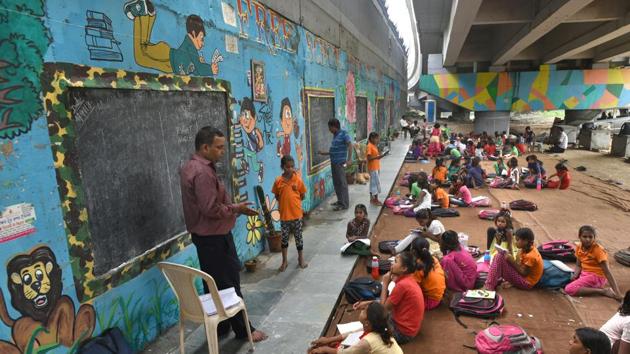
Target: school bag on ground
(481,308)
(384,265)
(623,257)
(445,212)
(561,250)
(358,248)
(362,288)
(510,339)
(553,277)
(489,214)
(111,341)
(481,202)
(522,204)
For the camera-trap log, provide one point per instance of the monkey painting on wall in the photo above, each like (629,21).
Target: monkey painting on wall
(34,283)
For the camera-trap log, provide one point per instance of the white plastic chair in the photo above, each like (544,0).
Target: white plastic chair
(191,307)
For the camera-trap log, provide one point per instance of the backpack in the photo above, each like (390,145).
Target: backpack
(358,248)
(561,250)
(553,277)
(384,265)
(409,213)
(623,256)
(391,202)
(111,341)
(386,246)
(474,251)
(482,308)
(510,339)
(522,204)
(500,182)
(481,202)
(488,214)
(445,212)
(362,288)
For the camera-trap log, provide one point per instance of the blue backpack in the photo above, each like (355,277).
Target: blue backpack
(553,277)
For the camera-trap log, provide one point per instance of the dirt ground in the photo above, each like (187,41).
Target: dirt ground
(546,314)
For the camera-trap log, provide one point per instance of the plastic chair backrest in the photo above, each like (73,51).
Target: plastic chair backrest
(182,280)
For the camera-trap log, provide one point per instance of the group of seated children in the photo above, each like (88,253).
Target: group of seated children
(534,176)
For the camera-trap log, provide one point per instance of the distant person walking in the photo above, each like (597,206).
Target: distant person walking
(404,126)
(340,152)
(210,216)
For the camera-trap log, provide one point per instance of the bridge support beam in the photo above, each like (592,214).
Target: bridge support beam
(578,115)
(492,121)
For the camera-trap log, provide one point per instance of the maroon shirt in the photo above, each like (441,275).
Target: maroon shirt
(207,207)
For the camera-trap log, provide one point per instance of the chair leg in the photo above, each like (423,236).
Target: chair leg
(249,330)
(212,337)
(182,344)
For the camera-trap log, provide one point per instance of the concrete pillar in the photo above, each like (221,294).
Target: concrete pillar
(490,122)
(580,115)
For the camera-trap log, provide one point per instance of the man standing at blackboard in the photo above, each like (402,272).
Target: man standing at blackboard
(340,152)
(210,217)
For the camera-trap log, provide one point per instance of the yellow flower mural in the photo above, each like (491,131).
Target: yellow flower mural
(253,229)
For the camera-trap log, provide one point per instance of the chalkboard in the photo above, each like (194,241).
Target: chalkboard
(320,108)
(380,114)
(361,119)
(130,146)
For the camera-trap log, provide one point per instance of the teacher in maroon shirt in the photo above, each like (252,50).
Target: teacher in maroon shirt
(210,217)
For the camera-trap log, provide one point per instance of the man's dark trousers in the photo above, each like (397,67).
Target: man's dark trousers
(217,257)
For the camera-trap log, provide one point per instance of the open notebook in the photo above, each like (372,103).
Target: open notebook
(228,297)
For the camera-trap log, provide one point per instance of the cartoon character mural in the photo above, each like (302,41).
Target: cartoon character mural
(252,138)
(23,42)
(286,123)
(184,60)
(47,317)
(351,103)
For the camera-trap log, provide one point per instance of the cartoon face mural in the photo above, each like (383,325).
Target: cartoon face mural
(286,122)
(48,318)
(252,138)
(184,60)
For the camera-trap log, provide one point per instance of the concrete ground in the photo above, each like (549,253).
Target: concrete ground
(292,307)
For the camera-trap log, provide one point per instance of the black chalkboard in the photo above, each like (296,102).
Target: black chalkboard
(381,125)
(320,108)
(130,146)
(361,119)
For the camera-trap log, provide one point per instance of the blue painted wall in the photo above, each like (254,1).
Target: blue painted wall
(294,59)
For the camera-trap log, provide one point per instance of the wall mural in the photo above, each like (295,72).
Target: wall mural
(48,318)
(99,37)
(530,91)
(23,42)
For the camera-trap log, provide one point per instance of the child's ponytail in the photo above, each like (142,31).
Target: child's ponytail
(420,249)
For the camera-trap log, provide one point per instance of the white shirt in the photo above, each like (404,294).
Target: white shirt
(426,202)
(617,327)
(564,140)
(403,123)
(436,228)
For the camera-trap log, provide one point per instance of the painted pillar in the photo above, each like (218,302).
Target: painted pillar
(492,121)
(579,115)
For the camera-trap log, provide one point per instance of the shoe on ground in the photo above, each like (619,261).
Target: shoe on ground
(339,207)
(136,8)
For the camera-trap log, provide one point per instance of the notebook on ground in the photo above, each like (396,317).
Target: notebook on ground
(350,327)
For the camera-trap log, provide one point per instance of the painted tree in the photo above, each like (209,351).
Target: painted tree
(23,42)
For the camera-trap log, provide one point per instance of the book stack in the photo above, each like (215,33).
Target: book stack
(99,37)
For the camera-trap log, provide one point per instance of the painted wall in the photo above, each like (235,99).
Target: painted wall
(51,299)
(533,91)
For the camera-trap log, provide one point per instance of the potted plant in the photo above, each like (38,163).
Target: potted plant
(250,265)
(351,170)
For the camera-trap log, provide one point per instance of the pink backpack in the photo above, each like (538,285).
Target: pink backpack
(506,339)
(482,202)
(391,202)
(488,214)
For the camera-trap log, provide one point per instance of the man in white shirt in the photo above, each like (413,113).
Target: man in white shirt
(562,143)
(404,126)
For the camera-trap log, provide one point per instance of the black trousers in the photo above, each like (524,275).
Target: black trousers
(217,257)
(556,149)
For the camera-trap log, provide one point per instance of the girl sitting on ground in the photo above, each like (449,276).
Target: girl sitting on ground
(439,195)
(499,167)
(439,172)
(590,341)
(405,303)
(429,275)
(476,175)
(591,270)
(376,339)
(535,168)
(424,197)
(514,176)
(523,271)
(618,327)
(359,226)
(501,234)
(479,150)
(430,227)
(564,178)
(453,169)
(490,150)
(460,268)
(462,197)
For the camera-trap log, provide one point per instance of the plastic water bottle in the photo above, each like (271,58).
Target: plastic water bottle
(486,257)
(398,192)
(375,274)
(504,206)
(538,183)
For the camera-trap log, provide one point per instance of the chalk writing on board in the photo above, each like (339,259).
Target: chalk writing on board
(319,108)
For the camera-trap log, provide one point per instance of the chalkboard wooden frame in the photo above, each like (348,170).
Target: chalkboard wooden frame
(306,95)
(57,80)
(364,135)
